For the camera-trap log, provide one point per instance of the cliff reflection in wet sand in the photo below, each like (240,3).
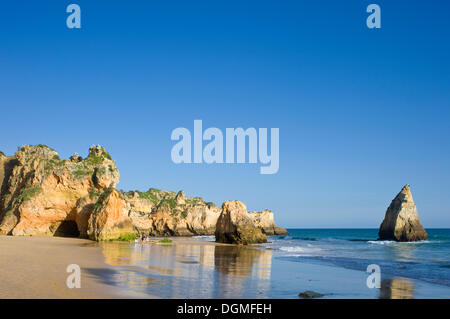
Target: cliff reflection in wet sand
(189,269)
(234,263)
(396,288)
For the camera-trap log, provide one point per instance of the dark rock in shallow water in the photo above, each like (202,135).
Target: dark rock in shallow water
(401,222)
(308,294)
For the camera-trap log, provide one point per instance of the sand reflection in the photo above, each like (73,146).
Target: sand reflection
(188,269)
(239,269)
(118,253)
(396,288)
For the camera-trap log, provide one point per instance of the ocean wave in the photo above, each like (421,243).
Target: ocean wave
(300,238)
(299,250)
(381,242)
(304,238)
(205,237)
(391,242)
(332,239)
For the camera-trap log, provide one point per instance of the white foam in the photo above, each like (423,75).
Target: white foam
(381,242)
(299,251)
(391,242)
(206,238)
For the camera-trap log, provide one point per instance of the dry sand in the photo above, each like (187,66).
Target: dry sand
(35,267)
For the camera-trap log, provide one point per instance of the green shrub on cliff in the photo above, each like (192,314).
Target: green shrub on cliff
(211,204)
(45,146)
(103,196)
(93,193)
(113,169)
(106,154)
(100,171)
(168,203)
(195,201)
(94,159)
(149,195)
(29,193)
(91,164)
(81,173)
(153,194)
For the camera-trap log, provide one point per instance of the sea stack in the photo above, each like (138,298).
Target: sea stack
(401,222)
(235,226)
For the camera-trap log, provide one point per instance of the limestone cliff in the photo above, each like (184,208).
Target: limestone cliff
(235,226)
(109,219)
(401,222)
(163,213)
(3,170)
(44,195)
(264,220)
(41,194)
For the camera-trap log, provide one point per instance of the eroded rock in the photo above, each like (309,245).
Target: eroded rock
(41,194)
(171,214)
(235,226)
(109,219)
(401,222)
(44,195)
(265,221)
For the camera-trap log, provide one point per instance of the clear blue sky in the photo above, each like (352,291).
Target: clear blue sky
(361,112)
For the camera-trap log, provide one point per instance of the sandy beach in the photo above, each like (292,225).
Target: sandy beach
(35,267)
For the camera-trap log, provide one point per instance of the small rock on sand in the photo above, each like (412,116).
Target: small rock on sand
(308,294)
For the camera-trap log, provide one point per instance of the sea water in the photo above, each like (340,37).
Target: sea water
(332,262)
(427,260)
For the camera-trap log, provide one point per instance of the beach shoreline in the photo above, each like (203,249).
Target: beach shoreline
(189,267)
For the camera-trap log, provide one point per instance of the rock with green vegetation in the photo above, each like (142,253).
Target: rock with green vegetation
(109,219)
(180,198)
(235,226)
(75,158)
(42,194)
(264,220)
(164,213)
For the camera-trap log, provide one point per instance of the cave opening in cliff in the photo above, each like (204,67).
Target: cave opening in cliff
(67,228)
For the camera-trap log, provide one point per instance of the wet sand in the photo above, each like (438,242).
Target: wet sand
(35,267)
(195,268)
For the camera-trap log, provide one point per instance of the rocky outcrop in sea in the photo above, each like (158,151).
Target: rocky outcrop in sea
(41,194)
(235,226)
(401,222)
